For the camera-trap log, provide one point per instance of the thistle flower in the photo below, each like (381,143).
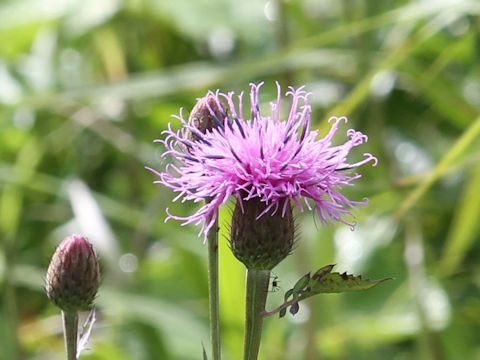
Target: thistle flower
(73,275)
(264,158)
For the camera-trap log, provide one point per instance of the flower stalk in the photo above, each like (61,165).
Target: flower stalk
(213,290)
(204,118)
(72,282)
(256,297)
(70,330)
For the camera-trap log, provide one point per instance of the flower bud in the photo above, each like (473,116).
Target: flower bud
(207,114)
(73,275)
(261,242)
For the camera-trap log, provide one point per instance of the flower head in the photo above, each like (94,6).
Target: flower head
(262,157)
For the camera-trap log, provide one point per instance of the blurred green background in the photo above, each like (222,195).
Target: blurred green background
(86,86)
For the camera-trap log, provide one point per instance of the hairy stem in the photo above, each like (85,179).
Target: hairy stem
(256,297)
(70,330)
(213,290)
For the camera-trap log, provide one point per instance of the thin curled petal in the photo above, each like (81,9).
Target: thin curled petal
(263,157)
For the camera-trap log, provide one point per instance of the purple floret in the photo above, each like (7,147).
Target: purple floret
(262,157)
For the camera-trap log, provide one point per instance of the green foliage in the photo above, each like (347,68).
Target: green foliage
(323,281)
(86,86)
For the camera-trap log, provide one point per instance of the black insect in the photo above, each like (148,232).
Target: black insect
(275,282)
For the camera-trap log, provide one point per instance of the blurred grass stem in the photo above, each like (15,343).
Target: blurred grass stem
(212,240)
(70,331)
(427,342)
(10,312)
(450,158)
(256,297)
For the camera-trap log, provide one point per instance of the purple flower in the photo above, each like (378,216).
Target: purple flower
(262,157)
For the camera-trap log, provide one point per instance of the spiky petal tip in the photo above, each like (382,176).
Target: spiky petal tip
(268,157)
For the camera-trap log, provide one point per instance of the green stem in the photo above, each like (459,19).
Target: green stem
(257,289)
(70,330)
(11,320)
(212,240)
(10,340)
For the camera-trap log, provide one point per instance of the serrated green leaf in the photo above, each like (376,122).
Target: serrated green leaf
(338,283)
(294,308)
(301,283)
(288,294)
(322,272)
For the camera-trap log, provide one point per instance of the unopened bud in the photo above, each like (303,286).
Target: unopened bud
(261,242)
(73,275)
(207,114)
